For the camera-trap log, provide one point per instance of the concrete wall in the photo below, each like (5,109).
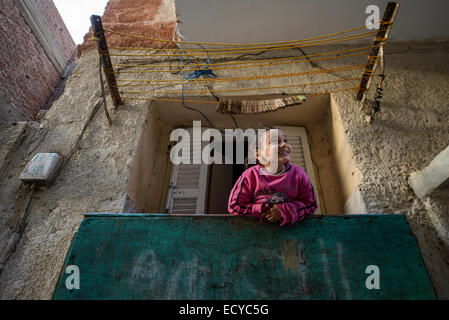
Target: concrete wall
(348,176)
(150,174)
(28,75)
(56,211)
(247,21)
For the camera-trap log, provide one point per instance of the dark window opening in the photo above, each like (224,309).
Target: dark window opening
(222,178)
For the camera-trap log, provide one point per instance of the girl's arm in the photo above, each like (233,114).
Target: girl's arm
(241,201)
(298,209)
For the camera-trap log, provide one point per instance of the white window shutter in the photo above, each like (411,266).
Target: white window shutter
(187,189)
(300,156)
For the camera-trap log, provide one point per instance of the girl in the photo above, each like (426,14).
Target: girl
(277,193)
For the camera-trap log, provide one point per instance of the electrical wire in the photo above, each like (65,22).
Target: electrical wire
(213,102)
(224,50)
(249,66)
(238,44)
(258,60)
(310,44)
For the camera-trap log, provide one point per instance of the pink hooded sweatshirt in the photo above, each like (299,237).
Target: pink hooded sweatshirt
(255,190)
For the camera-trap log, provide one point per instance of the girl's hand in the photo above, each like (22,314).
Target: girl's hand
(273,215)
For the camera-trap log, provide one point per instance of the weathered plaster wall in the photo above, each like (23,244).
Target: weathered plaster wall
(348,176)
(16,140)
(331,201)
(404,137)
(150,165)
(93,180)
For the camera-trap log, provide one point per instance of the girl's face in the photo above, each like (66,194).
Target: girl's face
(273,151)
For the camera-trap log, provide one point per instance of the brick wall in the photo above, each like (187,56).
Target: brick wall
(147,18)
(27,77)
(57,27)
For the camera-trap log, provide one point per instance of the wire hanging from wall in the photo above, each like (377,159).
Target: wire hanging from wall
(191,76)
(196,67)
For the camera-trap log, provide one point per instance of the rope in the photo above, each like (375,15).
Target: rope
(197,72)
(284,46)
(235,44)
(170,100)
(214,102)
(316,43)
(202,72)
(14,239)
(250,66)
(254,61)
(247,89)
(273,76)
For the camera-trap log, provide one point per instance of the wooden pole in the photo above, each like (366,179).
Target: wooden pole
(379,40)
(103,51)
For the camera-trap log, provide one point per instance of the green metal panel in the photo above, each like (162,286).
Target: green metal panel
(167,257)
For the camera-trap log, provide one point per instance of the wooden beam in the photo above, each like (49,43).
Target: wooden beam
(379,40)
(103,51)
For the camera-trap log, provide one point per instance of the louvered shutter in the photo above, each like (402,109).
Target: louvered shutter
(187,189)
(300,155)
